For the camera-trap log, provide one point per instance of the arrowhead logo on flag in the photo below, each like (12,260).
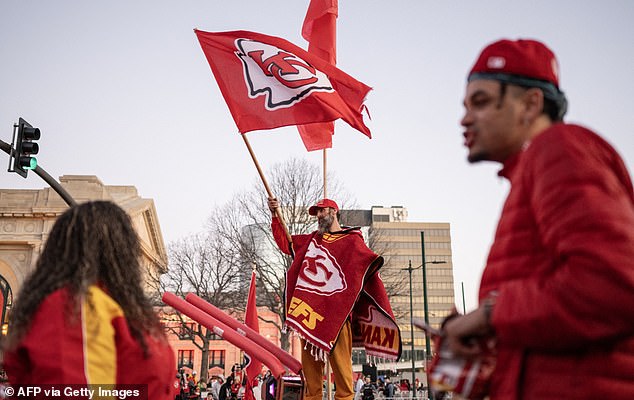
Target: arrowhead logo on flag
(268,82)
(282,77)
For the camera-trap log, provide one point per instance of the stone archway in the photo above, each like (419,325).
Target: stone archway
(6,302)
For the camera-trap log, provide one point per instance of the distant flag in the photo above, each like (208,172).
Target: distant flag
(268,82)
(253,367)
(320,30)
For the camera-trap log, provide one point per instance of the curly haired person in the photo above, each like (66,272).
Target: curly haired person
(81,317)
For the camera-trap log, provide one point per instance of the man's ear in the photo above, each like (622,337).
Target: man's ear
(533,100)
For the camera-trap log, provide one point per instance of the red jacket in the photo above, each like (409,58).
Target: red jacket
(562,265)
(96,348)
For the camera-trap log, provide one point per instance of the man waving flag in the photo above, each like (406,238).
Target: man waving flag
(269,82)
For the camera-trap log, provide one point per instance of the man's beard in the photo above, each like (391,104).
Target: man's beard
(324,223)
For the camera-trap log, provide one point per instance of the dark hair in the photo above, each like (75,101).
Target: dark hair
(554,109)
(91,243)
(503,86)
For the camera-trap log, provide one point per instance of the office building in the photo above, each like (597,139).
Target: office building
(398,240)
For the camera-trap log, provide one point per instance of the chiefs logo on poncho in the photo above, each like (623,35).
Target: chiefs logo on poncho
(320,273)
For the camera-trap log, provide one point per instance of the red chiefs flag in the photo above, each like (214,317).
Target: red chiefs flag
(269,82)
(254,367)
(320,30)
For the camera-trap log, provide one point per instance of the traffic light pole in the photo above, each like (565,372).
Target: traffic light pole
(6,147)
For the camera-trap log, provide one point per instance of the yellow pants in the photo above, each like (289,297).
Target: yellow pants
(341,363)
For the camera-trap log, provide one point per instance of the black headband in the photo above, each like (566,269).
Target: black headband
(549,89)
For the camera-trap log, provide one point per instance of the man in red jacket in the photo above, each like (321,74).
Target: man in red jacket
(557,293)
(334,298)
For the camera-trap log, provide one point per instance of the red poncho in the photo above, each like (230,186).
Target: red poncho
(334,277)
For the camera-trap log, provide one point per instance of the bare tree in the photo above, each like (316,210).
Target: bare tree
(217,265)
(246,224)
(396,283)
(202,264)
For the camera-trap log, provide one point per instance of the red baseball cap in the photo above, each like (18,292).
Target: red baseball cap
(523,58)
(323,203)
(523,62)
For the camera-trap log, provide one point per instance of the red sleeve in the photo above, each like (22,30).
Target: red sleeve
(582,205)
(280,236)
(52,351)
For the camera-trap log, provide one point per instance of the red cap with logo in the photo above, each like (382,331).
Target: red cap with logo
(323,203)
(524,62)
(524,57)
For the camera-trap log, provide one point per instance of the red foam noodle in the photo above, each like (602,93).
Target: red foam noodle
(226,332)
(285,358)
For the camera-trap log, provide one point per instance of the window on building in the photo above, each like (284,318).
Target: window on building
(359,356)
(406,354)
(381,218)
(431,258)
(216,358)
(186,358)
(441,299)
(185,330)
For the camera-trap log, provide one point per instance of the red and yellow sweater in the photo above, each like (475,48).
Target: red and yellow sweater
(95,349)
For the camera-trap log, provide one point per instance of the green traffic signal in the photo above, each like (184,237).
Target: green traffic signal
(28,162)
(25,148)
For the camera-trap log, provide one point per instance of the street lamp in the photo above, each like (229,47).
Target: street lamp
(425,303)
(411,326)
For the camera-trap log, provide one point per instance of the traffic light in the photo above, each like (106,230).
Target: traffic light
(25,148)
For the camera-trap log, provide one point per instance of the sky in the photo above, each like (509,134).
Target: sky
(121,90)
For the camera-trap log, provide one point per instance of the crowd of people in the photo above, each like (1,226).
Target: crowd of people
(384,388)
(233,387)
(218,387)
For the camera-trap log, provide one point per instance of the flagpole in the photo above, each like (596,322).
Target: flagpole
(329,395)
(325,159)
(266,187)
(325,169)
